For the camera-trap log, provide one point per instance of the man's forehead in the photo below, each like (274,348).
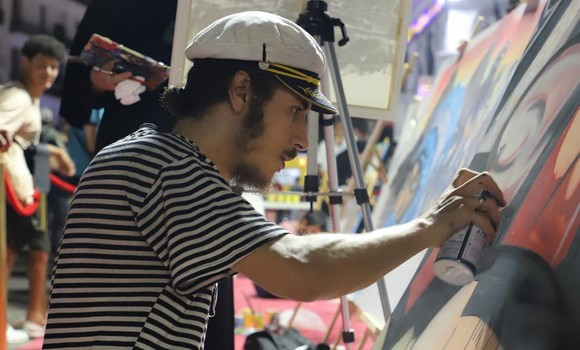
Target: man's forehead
(41,57)
(304,103)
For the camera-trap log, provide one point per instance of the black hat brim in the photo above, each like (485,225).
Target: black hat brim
(310,93)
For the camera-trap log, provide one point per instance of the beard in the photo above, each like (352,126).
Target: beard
(248,177)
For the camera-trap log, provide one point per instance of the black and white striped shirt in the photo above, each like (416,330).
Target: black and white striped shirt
(151,228)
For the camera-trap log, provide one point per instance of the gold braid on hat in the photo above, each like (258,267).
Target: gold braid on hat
(285,70)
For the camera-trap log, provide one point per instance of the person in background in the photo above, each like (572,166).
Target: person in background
(146,27)
(312,222)
(143,26)
(360,128)
(158,217)
(82,143)
(57,198)
(20,125)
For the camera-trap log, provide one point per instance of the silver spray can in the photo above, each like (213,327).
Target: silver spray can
(459,258)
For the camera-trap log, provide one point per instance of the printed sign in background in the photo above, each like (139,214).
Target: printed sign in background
(372,58)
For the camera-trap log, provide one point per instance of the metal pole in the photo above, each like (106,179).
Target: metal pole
(335,214)
(354,159)
(321,26)
(3,259)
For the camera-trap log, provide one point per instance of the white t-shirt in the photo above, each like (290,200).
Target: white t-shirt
(20,116)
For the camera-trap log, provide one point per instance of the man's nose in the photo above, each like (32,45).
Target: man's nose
(52,71)
(301,137)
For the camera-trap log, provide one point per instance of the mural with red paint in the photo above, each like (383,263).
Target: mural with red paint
(525,295)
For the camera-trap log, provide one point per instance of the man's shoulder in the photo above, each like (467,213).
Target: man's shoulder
(16,103)
(14,91)
(149,142)
(151,134)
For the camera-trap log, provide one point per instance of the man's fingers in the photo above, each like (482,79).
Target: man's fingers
(105,79)
(4,141)
(476,186)
(475,199)
(117,78)
(109,65)
(491,187)
(471,183)
(463,176)
(487,206)
(4,145)
(483,212)
(491,207)
(481,220)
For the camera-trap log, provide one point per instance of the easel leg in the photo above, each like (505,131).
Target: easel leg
(364,339)
(331,325)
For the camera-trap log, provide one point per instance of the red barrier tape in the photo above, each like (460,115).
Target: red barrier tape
(14,201)
(63,185)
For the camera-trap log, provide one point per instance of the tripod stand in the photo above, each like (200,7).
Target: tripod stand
(321,26)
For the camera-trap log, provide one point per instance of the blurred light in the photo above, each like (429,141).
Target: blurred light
(459,27)
(425,19)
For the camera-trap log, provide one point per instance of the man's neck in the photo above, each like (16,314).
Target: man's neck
(212,135)
(34,91)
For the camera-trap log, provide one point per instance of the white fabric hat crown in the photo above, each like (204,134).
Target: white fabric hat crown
(277,44)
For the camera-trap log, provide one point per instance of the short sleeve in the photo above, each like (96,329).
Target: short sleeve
(198,226)
(18,114)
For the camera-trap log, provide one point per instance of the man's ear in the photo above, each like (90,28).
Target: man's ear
(240,91)
(24,62)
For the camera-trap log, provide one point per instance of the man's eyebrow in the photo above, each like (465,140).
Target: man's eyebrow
(302,102)
(305,104)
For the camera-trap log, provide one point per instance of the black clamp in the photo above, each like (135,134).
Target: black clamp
(348,336)
(335,199)
(361,195)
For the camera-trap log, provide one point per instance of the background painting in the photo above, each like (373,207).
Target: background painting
(451,123)
(445,133)
(520,123)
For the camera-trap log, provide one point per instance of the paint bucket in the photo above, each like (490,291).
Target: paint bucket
(459,258)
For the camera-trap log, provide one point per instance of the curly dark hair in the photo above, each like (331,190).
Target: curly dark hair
(46,45)
(208,82)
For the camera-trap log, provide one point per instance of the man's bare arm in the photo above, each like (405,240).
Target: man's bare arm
(321,266)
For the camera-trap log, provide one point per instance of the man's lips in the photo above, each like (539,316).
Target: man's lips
(286,157)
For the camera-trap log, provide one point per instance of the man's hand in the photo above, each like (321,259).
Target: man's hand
(465,204)
(60,161)
(103,79)
(5,140)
